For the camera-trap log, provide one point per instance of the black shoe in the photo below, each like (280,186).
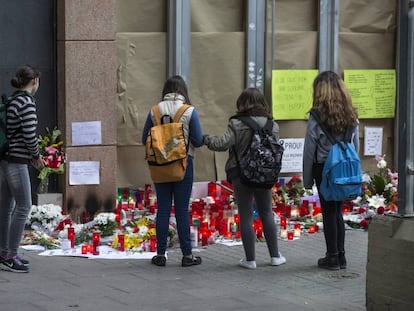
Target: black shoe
(190,261)
(330,262)
(14,265)
(159,260)
(342,260)
(23,261)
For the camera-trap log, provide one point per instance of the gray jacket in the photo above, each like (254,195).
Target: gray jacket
(317,147)
(237,135)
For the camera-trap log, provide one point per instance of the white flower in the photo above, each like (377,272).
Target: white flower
(142,231)
(356,218)
(102,218)
(376,201)
(382,164)
(366,178)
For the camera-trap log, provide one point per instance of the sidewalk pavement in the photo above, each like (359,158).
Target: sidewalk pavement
(80,284)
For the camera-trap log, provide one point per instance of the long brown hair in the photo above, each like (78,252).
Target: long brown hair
(177,85)
(333,102)
(252,102)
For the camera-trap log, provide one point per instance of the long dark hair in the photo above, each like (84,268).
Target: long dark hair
(331,98)
(252,102)
(24,75)
(177,85)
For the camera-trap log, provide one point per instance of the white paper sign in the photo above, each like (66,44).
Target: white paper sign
(86,133)
(373,141)
(293,155)
(84,173)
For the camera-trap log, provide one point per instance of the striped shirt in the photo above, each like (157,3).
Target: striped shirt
(21,129)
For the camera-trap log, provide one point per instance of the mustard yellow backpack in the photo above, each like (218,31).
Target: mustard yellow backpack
(166,148)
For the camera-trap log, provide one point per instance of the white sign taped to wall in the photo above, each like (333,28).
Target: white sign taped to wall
(293,155)
(84,173)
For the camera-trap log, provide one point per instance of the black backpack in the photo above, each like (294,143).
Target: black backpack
(4,141)
(261,162)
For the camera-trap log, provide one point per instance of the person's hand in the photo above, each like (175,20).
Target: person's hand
(205,139)
(39,163)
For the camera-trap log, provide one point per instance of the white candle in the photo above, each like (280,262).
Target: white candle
(283,233)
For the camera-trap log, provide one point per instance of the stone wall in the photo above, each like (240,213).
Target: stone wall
(87,92)
(390,264)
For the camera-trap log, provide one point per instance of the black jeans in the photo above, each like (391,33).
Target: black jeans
(333,222)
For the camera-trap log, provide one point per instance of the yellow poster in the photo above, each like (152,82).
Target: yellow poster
(373,92)
(292,93)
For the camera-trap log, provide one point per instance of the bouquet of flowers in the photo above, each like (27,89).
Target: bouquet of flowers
(380,189)
(40,238)
(106,223)
(50,147)
(45,217)
(291,193)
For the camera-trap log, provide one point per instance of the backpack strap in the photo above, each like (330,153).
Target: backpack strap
(328,134)
(180,112)
(157,115)
(156,112)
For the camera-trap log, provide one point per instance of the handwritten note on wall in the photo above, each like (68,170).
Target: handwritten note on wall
(373,92)
(86,133)
(373,141)
(292,93)
(84,173)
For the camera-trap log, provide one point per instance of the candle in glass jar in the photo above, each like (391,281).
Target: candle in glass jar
(290,235)
(84,249)
(121,242)
(283,233)
(71,236)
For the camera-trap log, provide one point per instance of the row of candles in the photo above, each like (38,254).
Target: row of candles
(92,248)
(208,218)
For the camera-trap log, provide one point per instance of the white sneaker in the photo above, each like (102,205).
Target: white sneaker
(247,264)
(277,261)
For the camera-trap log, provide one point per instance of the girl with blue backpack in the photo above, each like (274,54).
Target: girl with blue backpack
(332,105)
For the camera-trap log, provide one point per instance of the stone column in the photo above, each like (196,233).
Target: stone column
(86,63)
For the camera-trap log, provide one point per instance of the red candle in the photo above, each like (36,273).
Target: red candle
(290,235)
(96,237)
(153,243)
(89,248)
(204,238)
(312,228)
(283,222)
(297,226)
(84,249)
(71,236)
(121,242)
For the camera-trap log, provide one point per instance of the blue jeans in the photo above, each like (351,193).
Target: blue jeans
(15,205)
(180,191)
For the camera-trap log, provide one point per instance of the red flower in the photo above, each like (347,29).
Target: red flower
(361,210)
(364,224)
(296,179)
(380,210)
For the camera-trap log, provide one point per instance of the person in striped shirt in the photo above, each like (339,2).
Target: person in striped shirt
(15,189)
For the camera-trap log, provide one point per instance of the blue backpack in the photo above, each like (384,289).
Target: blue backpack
(341,175)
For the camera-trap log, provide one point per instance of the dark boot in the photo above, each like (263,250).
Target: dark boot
(330,262)
(342,260)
